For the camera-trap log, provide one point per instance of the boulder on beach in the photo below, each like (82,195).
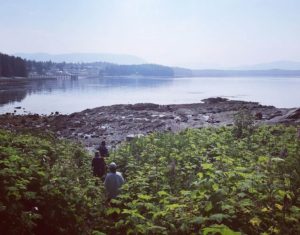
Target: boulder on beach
(293,115)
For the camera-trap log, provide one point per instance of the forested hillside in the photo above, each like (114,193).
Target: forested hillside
(240,180)
(142,70)
(11,66)
(99,69)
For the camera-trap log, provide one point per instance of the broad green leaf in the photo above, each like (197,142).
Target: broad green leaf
(215,187)
(144,197)
(98,233)
(277,159)
(278,206)
(218,217)
(157,229)
(198,220)
(174,206)
(208,206)
(162,193)
(112,210)
(255,221)
(207,166)
(219,229)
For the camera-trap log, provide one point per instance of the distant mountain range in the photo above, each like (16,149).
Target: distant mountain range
(272,69)
(83,58)
(283,65)
(124,59)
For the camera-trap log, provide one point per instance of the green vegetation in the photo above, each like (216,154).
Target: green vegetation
(202,181)
(208,180)
(46,187)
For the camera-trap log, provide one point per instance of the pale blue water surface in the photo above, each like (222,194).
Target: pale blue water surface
(67,96)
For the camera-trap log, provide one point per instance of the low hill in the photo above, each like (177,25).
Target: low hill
(83,58)
(246,73)
(141,70)
(284,65)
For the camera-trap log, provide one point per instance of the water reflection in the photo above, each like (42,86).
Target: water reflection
(11,96)
(15,90)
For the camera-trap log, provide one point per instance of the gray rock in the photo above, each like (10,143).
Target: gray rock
(293,114)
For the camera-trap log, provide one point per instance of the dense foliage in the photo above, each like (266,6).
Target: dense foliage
(11,66)
(201,181)
(46,187)
(209,180)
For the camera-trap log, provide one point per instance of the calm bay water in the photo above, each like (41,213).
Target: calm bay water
(67,96)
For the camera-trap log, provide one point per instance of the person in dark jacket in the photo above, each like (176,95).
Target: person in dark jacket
(103,150)
(98,165)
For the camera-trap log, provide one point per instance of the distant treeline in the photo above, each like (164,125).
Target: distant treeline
(42,67)
(143,70)
(11,66)
(103,68)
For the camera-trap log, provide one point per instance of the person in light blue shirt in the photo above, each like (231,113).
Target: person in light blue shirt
(113,181)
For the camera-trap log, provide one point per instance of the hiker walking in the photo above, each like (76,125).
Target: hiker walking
(98,165)
(113,182)
(103,150)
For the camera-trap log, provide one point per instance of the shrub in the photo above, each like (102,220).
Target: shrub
(46,187)
(199,181)
(187,183)
(243,123)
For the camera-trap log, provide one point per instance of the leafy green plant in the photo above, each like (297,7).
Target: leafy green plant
(243,123)
(199,181)
(186,183)
(46,187)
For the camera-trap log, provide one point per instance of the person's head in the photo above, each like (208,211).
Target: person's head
(103,143)
(97,154)
(112,167)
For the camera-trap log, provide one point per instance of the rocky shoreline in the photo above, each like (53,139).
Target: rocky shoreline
(118,123)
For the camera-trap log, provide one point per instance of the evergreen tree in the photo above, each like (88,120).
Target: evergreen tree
(11,66)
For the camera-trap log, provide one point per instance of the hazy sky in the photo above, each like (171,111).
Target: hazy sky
(172,32)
